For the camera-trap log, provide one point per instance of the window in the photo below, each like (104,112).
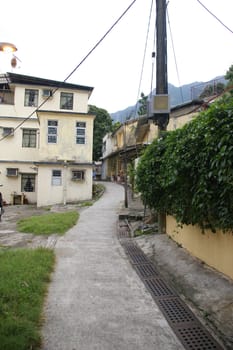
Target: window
(12,172)
(80,133)
(78,175)
(28,182)
(31,98)
(66,101)
(56,177)
(8,131)
(29,138)
(52,131)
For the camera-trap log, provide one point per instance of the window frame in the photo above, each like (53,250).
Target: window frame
(56,180)
(79,179)
(80,136)
(67,100)
(32,138)
(32,178)
(50,127)
(31,97)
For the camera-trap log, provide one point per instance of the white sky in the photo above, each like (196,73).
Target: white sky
(53,36)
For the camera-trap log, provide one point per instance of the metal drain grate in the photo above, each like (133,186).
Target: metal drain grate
(184,323)
(158,288)
(175,311)
(137,258)
(147,270)
(123,231)
(196,338)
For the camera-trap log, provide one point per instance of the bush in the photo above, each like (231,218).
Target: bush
(188,172)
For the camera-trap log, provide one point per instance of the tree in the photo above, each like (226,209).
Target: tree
(102,125)
(212,89)
(229,77)
(142,110)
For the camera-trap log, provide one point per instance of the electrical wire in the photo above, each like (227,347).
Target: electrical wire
(174,53)
(144,57)
(214,16)
(78,65)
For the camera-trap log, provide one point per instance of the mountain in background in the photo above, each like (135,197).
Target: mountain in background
(178,96)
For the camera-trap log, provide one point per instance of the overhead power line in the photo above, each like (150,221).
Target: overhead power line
(214,16)
(78,65)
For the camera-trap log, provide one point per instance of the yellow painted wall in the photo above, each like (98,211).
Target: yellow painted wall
(66,147)
(12,144)
(215,249)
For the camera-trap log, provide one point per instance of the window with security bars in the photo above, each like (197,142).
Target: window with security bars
(56,178)
(52,131)
(81,133)
(28,182)
(31,98)
(29,138)
(78,175)
(66,100)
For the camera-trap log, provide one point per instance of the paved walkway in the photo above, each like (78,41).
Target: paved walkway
(96,300)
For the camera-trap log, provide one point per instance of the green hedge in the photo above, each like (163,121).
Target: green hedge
(188,172)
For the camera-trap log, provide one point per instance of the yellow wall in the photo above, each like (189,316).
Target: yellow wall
(215,249)
(66,147)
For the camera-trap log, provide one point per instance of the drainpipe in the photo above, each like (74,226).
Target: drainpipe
(65,183)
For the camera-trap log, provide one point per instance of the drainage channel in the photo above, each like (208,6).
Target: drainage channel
(188,329)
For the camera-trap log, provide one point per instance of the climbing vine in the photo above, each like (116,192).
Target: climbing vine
(188,173)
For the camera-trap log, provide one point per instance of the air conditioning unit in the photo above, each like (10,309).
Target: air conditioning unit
(47,93)
(7,131)
(12,172)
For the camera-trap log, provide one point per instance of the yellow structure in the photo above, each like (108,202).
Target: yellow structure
(126,143)
(215,249)
(46,137)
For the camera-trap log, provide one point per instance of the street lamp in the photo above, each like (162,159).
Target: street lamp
(7,47)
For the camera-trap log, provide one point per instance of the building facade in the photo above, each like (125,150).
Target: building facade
(46,140)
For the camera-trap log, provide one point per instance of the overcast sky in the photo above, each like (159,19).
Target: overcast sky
(53,36)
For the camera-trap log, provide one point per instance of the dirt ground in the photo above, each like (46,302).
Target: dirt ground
(10,237)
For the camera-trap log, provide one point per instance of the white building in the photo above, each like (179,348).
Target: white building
(46,140)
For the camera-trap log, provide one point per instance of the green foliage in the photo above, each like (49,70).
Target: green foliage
(212,89)
(229,77)
(102,125)
(115,126)
(24,275)
(49,223)
(142,104)
(188,173)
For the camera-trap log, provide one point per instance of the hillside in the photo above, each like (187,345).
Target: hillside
(178,95)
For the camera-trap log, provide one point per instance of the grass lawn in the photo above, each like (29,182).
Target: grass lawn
(24,277)
(48,223)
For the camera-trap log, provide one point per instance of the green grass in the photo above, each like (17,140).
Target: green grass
(49,223)
(24,276)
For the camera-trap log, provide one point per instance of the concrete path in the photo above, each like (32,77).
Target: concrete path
(96,300)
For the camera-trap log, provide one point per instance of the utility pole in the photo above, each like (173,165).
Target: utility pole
(161,80)
(161,60)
